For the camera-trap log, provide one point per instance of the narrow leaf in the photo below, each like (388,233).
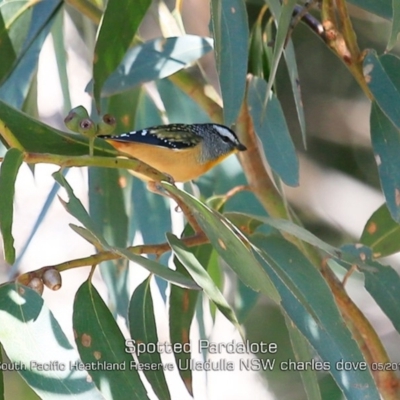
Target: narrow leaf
(394,34)
(34,341)
(107,211)
(1,375)
(203,279)
(324,327)
(155,59)
(76,209)
(16,86)
(386,145)
(291,63)
(230,245)
(142,326)
(303,353)
(7,53)
(181,310)
(290,57)
(183,109)
(381,234)
(8,174)
(271,127)
(160,270)
(381,281)
(20,130)
(385,92)
(101,343)
(383,8)
(118,27)
(283,15)
(231,37)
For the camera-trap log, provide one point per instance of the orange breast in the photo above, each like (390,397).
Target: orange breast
(182,165)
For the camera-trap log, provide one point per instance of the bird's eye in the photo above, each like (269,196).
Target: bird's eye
(225,139)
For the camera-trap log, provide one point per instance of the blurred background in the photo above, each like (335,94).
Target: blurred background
(338,191)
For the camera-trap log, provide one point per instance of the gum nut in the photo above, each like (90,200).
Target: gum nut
(52,279)
(37,285)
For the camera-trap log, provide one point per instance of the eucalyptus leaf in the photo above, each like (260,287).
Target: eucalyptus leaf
(142,326)
(381,233)
(8,174)
(271,127)
(231,36)
(15,88)
(118,27)
(386,145)
(201,277)
(316,315)
(44,355)
(101,343)
(384,89)
(155,59)
(229,244)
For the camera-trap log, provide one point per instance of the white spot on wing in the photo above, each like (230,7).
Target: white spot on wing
(143,132)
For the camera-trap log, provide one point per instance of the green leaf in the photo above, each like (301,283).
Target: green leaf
(383,8)
(386,145)
(303,353)
(381,281)
(15,88)
(181,310)
(142,326)
(203,279)
(124,107)
(7,53)
(291,63)
(1,375)
(182,109)
(394,34)
(33,339)
(229,244)
(155,59)
(273,131)
(381,234)
(182,306)
(283,17)
(19,130)
(246,223)
(107,211)
(257,57)
(323,326)
(160,270)
(231,37)
(301,233)
(149,210)
(384,89)
(101,343)
(118,27)
(106,205)
(8,174)
(76,209)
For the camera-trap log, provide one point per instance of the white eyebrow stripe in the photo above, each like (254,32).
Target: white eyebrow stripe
(226,132)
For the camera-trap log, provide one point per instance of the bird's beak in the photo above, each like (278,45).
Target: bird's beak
(241,147)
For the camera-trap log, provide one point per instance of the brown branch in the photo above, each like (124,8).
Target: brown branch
(157,249)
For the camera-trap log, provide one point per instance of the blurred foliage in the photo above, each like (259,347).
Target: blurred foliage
(293,83)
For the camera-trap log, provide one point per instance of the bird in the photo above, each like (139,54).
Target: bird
(182,151)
